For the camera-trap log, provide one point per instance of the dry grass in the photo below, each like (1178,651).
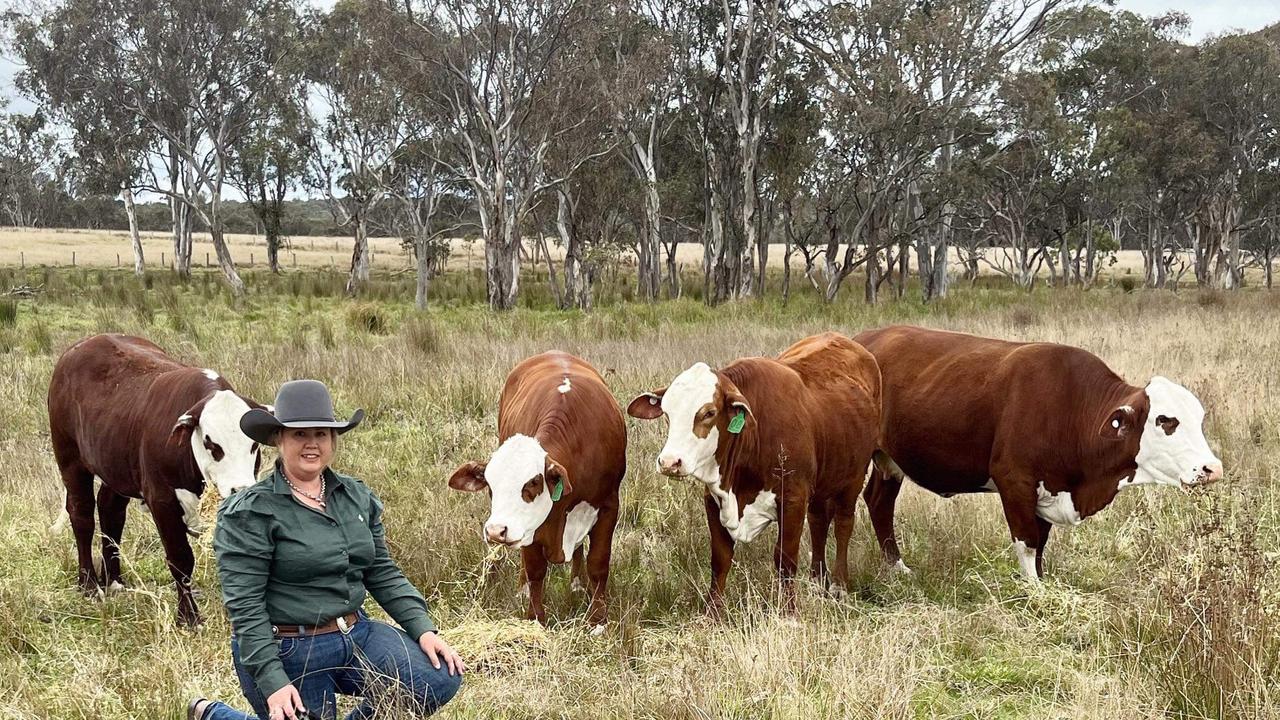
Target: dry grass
(1163,605)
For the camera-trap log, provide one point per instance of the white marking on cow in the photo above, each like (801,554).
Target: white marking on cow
(1027,561)
(899,568)
(756,517)
(565,386)
(523,592)
(115,586)
(516,462)
(1057,508)
(685,397)
(1178,458)
(190,503)
(577,523)
(220,423)
(211,374)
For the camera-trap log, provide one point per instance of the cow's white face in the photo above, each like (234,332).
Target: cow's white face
(1172,449)
(521,479)
(228,459)
(690,404)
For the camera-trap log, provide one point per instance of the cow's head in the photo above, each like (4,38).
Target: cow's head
(702,406)
(1167,423)
(228,459)
(523,482)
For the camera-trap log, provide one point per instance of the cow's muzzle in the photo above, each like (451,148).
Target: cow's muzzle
(1207,475)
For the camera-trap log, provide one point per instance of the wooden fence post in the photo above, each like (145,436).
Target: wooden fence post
(73,258)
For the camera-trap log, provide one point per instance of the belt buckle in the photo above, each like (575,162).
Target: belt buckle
(343,627)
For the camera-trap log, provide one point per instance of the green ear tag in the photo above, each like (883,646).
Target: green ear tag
(557,491)
(738,422)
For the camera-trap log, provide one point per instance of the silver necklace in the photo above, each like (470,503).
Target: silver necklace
(304,493)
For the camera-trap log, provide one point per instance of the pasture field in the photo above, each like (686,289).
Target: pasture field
(1166,604)
(53,247)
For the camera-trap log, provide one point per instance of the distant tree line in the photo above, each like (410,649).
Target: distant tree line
(873,139)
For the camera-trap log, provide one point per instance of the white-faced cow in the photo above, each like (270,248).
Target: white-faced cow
(1049,427)
(554,479)
(150,428)
(772,440)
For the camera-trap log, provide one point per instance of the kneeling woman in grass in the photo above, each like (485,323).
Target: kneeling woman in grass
(297,552)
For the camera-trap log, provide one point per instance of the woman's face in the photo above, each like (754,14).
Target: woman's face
(306,452)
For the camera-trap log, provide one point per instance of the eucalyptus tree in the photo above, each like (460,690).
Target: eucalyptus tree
(517,80)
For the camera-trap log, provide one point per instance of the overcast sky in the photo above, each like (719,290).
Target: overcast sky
(1208,17)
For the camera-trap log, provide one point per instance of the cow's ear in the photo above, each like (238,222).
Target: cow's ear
(1118,424)
(557,479)
(187,423)
(647,406)
(736,403)
(469,478)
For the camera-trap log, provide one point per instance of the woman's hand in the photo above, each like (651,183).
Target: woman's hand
(436,649)
(285,703)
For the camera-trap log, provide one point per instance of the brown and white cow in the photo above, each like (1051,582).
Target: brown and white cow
(554,478)
(771,439)
(1049,427)
(149,428)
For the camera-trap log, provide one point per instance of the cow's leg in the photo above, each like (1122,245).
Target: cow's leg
(1019,500)
(721,557)
(167,513)
(1045,526)
(786,553)
(79,484)
(535,572)
(598,564)
(819,521)
(111,515)
(881,495)
(577,572)
(845,510)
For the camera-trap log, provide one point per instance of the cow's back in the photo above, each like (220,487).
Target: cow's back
(113,398)
(561,400)
(843,398)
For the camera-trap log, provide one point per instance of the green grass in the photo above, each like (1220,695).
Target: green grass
(1164,605)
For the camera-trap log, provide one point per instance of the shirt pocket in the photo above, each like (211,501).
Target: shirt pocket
(359,542)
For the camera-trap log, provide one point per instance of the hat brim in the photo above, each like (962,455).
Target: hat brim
(262,426)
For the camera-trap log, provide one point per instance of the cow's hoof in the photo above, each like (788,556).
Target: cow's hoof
(576,585)
(598,630)
(523,592)
(837,592)
(115,586)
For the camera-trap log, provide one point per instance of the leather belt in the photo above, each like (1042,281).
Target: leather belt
(339,624)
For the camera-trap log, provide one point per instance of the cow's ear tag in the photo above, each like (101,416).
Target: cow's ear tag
(557,491)
(738,422)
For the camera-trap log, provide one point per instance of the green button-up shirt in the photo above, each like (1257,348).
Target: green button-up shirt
(283,563)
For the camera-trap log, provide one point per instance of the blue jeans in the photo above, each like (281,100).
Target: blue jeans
(376,661)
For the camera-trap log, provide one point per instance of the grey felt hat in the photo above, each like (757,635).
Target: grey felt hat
(299,404)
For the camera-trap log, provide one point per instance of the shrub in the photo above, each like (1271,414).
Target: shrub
(1128,284)
(367,317)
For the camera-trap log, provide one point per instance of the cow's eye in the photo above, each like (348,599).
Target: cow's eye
(708,414)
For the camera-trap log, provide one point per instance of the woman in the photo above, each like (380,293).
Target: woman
(297,552)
